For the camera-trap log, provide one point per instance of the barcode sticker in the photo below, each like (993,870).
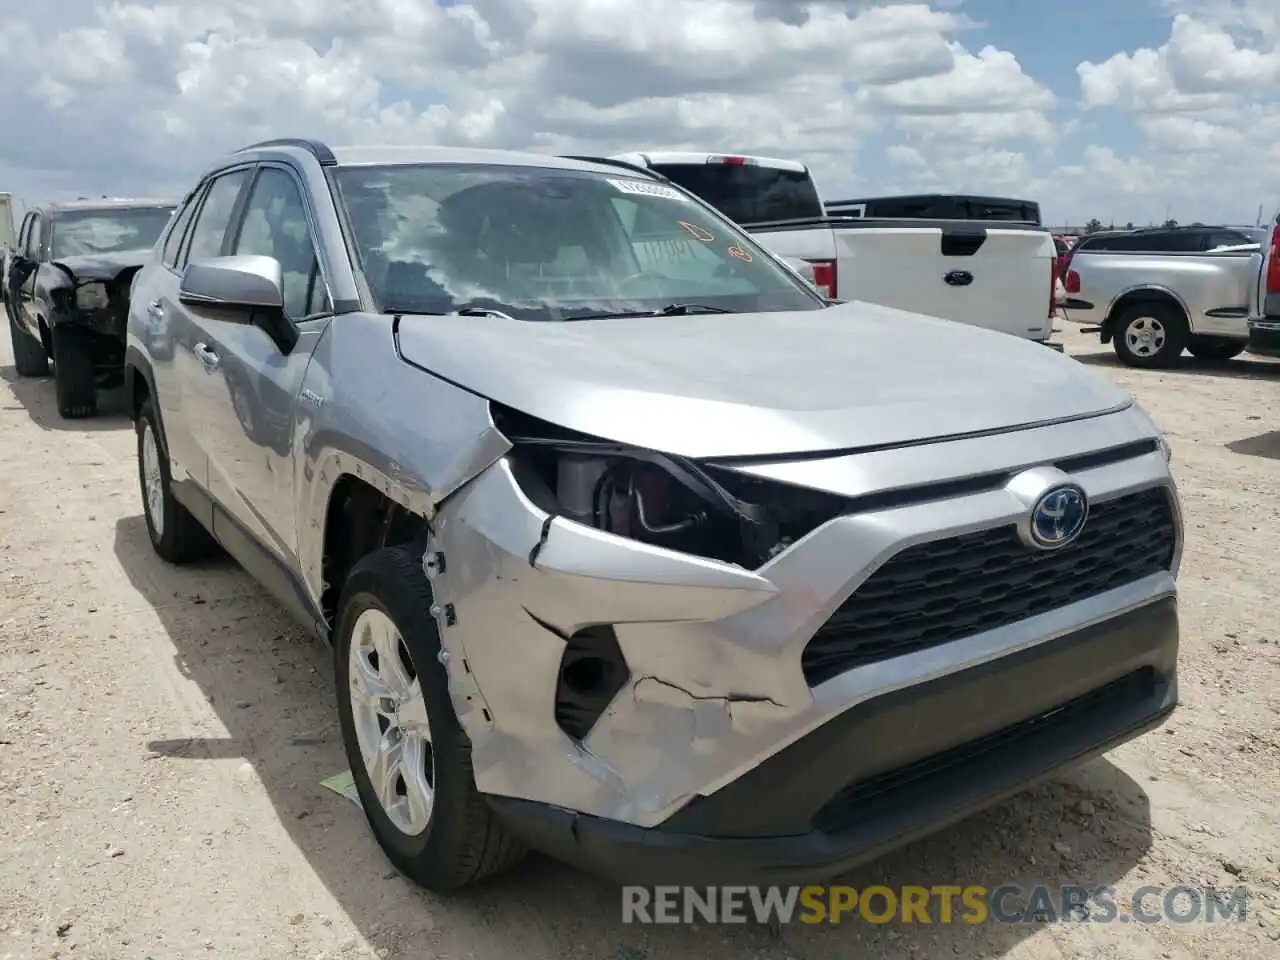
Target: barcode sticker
(640,188)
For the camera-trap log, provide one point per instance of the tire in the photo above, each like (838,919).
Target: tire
(459,842)
(1216,348)
(176,535)
(29,358)
(1163,328)
(73,377)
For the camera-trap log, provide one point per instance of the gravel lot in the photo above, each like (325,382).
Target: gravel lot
(163,734)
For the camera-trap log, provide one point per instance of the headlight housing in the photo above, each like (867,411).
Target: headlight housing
(660,499)
(1161,441)
(92,296)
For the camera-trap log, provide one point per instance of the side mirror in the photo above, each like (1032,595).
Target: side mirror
(250,287)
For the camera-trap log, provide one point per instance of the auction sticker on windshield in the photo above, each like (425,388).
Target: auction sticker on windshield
(641,189)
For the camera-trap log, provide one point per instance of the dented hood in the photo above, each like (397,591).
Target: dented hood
(718,385)
(102,266)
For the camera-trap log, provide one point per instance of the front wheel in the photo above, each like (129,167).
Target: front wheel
(409,757)
(73,377)
(1216,348)
(1150,335)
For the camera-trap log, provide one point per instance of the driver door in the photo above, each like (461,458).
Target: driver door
(14,275)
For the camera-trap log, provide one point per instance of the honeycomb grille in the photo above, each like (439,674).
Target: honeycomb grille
(937,592)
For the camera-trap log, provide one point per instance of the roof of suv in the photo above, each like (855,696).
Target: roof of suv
(353,156)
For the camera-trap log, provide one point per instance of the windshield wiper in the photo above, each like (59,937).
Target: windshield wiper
(670,310)
(464,312)
(683,309)
(483,312)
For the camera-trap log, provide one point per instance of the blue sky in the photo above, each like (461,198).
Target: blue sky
(1051,38)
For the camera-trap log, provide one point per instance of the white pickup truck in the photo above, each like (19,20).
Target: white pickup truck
(997,274)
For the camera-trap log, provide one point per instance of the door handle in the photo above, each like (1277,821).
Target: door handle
(206,356)
(155,309)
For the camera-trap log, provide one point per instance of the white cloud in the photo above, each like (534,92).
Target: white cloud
(1206,105)
(134,96)
(1201,67)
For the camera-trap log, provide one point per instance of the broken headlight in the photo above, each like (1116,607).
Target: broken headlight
(92,296)
(657,498)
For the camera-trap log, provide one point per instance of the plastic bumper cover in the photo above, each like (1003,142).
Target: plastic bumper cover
(894,768)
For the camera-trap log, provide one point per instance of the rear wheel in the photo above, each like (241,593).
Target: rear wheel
(29,358)
(1150,335)
(73,377)
(1216,348)
(409,757)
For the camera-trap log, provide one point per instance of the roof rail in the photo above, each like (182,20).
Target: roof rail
(324,156)
(611,162)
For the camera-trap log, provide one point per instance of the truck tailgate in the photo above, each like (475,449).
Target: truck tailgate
(997,277)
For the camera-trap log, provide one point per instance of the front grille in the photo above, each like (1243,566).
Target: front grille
(941,591)
(893,789)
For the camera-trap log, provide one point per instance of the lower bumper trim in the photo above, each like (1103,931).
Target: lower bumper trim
(1124,684)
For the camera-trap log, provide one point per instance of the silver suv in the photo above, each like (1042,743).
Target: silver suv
(631,548)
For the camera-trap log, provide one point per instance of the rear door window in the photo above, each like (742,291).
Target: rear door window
(748,193)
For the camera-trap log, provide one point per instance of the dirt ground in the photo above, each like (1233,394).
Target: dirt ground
(163,733)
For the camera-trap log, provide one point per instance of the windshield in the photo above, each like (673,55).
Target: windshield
(107,231)
(547,244)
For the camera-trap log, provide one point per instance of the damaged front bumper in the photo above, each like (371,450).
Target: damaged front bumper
(649,713)
(880,775)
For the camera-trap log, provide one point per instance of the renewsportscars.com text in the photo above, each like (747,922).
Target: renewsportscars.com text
(943,904)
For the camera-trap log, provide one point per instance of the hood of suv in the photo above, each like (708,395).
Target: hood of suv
(851,376)
(102,266)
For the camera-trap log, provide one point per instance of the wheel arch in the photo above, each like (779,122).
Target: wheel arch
(1144,293)
(140,384)
(360,519)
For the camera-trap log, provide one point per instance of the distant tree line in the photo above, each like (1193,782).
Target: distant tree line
(1096,226)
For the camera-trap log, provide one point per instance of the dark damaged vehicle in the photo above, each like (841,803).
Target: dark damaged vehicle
(67,292)
(632,548)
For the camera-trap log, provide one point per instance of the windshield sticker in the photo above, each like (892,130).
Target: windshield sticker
(640,188)
(740,253)
(697,232)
